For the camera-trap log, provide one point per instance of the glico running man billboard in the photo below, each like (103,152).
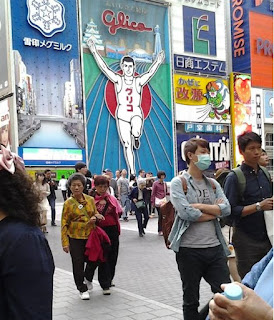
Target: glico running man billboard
(48,81)
(127,86)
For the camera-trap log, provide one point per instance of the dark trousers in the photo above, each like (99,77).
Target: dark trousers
(52,207)
(248,251)
(78,258)
(195,264)
(106,270)
(142,223)
(64,194)
(159,219)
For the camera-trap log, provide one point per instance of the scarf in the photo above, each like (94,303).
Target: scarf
(109,198)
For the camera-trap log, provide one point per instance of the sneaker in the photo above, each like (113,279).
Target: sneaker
(125,219)
(106,292)
(112,284)
(89,285)
(160,233)
(84,295)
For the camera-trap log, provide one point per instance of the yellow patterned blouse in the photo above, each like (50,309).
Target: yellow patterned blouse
(75,218)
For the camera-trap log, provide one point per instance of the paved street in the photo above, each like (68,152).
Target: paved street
(147,281)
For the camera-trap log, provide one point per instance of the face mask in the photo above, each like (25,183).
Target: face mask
(203,162)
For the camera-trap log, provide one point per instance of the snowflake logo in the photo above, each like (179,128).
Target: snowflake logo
(47,16)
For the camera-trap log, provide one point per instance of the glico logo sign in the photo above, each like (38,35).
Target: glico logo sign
(199,31)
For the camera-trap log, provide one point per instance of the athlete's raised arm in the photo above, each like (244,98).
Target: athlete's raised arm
(111,75)
(144,78)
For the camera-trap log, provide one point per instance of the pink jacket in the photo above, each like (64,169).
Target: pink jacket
(97,240)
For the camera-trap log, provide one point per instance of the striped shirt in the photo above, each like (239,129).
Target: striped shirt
(75,218)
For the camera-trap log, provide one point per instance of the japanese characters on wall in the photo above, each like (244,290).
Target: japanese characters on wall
(127,86)
(201,99)
(198,35)
(48,81)
(216,134)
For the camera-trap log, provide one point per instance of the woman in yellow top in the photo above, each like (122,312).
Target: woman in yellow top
(78,219)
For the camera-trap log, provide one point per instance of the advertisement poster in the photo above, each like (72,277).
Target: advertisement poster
(268,106)
(201,99)
(241,111)
(48,78)
(128,86)
(216,135)
(5,123)
(5,77)
(198,36)
(261,45)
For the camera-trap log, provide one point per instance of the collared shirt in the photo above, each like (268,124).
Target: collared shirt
(186,214)
(159,190)
(75,218)
(257,188)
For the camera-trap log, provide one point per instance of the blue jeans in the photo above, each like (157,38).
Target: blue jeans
(125,203)
(195,264)
(52,207)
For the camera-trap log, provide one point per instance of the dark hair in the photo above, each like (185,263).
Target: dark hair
(132,177)
(63,177)
(77,176)
(141,170)
(40,174)
(19,197)
(101,180)
(193,144)
(245,138)
(263,150)
(88,174)
(161,173)
(79,166)
(47,170)
(127,59)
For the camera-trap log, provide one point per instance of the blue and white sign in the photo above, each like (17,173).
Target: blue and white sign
(51,157)
(219,143)
(47,16)
(199,65)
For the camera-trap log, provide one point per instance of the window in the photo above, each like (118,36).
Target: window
(269,139)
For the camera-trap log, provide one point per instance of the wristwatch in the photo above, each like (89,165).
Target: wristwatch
(258,206)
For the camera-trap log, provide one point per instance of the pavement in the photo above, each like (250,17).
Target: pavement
(147,282)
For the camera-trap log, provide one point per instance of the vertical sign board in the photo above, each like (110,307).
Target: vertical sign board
(257,112)
(48,81)
(240,30)
(198,37)
(268,106)
(128,86)
(216,135)
(201,99)
(261,43)
(241,112)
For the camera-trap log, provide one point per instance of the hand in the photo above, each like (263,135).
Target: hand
(91,45)
(99,216)
(161,57)
(267,204)
(92,220)
(219,201)
(66,249)
(134,200)
(251,307)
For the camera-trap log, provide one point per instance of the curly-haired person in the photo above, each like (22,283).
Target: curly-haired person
(26,262)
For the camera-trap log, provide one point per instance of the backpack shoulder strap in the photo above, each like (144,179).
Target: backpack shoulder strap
(212,184)
(241,180)
(184,184)
(265,171)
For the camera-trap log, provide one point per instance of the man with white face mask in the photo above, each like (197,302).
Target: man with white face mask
(196,235)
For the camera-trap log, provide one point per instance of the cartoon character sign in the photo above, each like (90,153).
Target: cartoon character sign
(218,98)
(202,99)
(128,86)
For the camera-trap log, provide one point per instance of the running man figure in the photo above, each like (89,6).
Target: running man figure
(129,114)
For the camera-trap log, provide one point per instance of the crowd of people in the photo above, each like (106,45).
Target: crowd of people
(90,230)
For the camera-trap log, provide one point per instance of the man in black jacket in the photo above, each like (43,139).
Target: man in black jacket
(52,197)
